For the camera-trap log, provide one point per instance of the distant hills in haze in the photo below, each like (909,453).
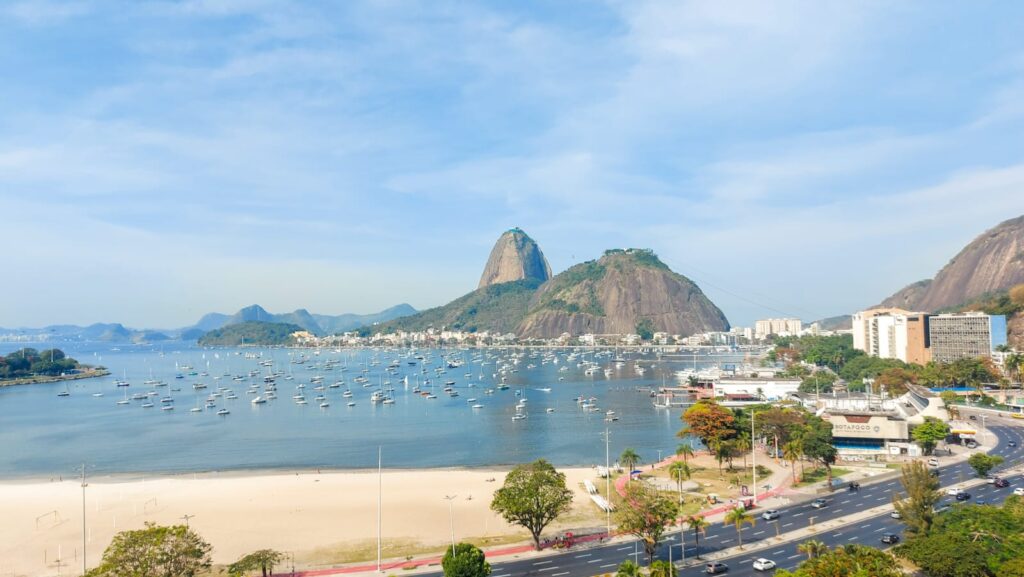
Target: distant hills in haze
(118,333)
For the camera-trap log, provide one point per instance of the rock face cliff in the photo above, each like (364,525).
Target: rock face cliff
(515,257)
(622,292)
(992,262)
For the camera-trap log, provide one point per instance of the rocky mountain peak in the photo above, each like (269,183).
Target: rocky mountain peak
(514,257)
(992,262)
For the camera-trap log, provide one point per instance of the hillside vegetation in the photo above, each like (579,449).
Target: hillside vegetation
(496,308)
(251,333)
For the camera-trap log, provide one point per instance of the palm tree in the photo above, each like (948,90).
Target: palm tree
(812,548)
(699,525)
(629,458)
(679,471)
(791,452)
(743,444)
(737,517)
(685,451)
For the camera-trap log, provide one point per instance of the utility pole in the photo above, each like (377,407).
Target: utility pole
(753,454)
(380,490)
(607,483)
(84,485)
(451,519)
(186,518)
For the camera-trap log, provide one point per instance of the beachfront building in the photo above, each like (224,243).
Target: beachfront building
(869,427)
(778,327)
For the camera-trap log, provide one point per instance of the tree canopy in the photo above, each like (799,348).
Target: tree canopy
(917,505)
(465,560)
(847,561)
(29,362)
(264,559)
(929,433)
(532,497)
(155,551)
(645,513)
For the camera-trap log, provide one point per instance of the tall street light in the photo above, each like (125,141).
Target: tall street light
(607,483)
(84,485)
(451,519)
(753,454)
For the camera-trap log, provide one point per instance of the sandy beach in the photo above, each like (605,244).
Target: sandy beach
(322,517)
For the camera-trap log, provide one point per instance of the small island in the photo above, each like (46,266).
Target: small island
(29,366)
(253,333)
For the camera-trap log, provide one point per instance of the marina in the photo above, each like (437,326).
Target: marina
(276,408)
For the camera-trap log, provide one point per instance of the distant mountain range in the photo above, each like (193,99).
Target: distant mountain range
(118,333)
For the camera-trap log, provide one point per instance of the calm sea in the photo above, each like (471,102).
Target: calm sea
(42,434)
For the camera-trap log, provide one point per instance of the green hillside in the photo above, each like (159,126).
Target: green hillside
(496,308)
(250,333)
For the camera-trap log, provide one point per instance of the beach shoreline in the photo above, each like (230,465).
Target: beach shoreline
(324,518)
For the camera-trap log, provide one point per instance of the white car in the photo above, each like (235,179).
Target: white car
(763,564)
(770,514)
(954,491)
(933,462)
(1019,491)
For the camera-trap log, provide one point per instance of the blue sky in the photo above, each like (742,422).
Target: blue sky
(159,160)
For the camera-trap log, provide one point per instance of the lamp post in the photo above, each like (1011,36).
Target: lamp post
(84,485)
(186,518)
(451,519)
(607,483)
(753,455)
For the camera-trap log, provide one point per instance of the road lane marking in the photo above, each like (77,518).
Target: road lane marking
(794,556)
(624,548)
(759,532)
(797,514)
(607,566)
(583,555)
(543,562)
(786,525)
(552,568)
(595,560)
(557,574)
(865,526)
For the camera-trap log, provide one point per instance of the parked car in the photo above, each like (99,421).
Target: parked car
(770,514)
(818,503)
(933,462)
(1019,491)
(963,496)
(715,567)
(763,564)
(973,417)
(890,538)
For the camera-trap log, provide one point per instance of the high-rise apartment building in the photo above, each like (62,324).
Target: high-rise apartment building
(781,327)
(965,335)
(911,337)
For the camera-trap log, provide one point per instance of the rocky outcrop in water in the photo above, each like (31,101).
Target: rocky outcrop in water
(515,257)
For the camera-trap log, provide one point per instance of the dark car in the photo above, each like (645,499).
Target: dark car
(853,486)
(963,496)
(1001,483)
(1011,443)
(973,418)
(890,538)
(715,567)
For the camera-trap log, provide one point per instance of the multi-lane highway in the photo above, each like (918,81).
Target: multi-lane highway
(605,558)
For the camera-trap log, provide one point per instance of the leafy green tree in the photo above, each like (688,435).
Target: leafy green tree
(793,451)
(629,459)
(685,450)
(812,548)
(817,445)
(917,506)
(847,561)
(737,517)
(949,399)
(465,560)
(983,464)
(1012,568)
(532,497)
(708,421)
(155,551)
(265,560)
(661,568)
(699,526)
(945,555)
(645,513)
(645,329)
(818,382)
(679,471)
(929,433)
(628,568)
